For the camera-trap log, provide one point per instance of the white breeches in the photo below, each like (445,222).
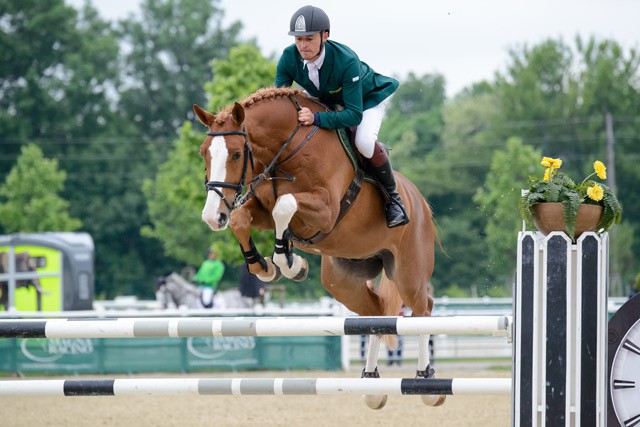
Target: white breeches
(367,130)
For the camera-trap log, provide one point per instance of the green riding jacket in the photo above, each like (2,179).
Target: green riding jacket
(344,80)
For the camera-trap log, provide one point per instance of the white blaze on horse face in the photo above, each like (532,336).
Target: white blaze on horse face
(218,171)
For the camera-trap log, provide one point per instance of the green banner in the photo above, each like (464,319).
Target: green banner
(111,355)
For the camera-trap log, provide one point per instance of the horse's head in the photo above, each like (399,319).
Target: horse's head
(227,157)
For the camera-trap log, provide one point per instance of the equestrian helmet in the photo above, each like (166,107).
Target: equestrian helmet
(308,20)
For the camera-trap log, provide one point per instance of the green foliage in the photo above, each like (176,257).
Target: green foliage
(413,125)
(31,196)
(455,291)
(498,199)
(241,74)
(176,196)
(171,45)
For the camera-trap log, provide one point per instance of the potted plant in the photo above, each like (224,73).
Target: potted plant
(556,202)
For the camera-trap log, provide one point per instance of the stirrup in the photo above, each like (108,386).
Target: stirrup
(399,220)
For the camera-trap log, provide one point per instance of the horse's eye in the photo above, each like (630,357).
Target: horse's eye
(236,156)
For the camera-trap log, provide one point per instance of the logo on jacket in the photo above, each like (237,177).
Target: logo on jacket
(301,24)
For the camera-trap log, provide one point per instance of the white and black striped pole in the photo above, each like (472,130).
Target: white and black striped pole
(256,386)
(560,313)
(252,326)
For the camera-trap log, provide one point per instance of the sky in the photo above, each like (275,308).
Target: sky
(466,41)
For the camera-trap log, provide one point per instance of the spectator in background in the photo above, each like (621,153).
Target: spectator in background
(250,286)
(210,272)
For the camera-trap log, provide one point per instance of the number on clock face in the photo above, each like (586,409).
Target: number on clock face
(625,378)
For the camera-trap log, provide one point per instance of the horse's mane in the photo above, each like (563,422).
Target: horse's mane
(268,93)
(259,95)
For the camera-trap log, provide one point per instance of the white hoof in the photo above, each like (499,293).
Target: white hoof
(375,401)
(273,272)
(298,270)
(302,274)
(433,400)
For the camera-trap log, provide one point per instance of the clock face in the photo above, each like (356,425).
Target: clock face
(624,382)
(624,365)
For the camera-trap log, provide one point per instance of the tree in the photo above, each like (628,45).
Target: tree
(57,68)
(176,196)
(171,46)
(413,126)
(498,199)
(231,83)
(32,202)
(556,100)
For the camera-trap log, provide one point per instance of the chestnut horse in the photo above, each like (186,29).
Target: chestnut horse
(299,181)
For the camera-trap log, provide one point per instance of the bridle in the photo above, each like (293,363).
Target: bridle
(239,199)
(271,169)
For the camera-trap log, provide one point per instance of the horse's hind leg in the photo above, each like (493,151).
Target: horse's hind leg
(373,401)
(291,265)
(414,289)
(346,281)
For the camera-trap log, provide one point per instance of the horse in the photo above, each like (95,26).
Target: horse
(175,291)
(264,170)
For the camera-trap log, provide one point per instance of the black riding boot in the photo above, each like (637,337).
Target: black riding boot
(383,173)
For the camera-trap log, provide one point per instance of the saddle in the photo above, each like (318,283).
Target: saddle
(347,137)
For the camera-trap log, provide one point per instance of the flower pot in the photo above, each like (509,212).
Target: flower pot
(548,217)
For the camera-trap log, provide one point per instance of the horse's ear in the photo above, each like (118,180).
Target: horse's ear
(205,117)
(237,113)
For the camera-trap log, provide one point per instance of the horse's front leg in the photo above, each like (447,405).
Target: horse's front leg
(291,265)
(264,268)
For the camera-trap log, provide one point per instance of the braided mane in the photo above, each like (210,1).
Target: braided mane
(268,93)
(261,94)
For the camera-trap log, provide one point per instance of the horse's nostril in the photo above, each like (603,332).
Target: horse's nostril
(222,219)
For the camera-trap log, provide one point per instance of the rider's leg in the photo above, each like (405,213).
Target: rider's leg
(376,155)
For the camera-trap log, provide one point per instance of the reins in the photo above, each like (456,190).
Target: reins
(271,169)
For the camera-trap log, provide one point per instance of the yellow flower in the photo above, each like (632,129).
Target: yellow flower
(600,169)
(595,193)
(551,163)
(547,174)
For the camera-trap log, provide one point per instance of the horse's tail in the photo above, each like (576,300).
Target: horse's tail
(388,292)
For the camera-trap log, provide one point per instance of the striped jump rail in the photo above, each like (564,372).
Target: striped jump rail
(252,326)
(256,386)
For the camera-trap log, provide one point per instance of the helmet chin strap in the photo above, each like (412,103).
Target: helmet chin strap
(321,42)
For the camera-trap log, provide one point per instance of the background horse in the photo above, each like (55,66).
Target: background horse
(174,291)
(23,263)
(300,182)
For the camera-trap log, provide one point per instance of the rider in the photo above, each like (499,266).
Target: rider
(333,72)
(210,272)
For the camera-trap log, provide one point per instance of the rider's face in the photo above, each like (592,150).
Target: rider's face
(310,46)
